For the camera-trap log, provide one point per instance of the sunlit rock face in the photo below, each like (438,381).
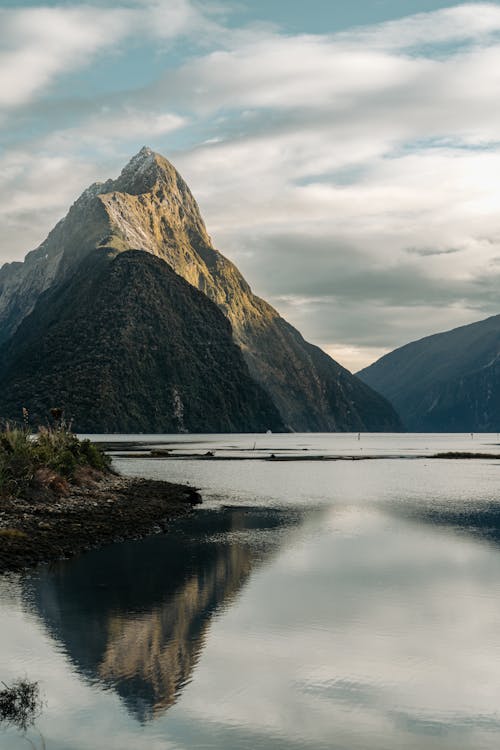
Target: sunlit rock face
(150,207)
(449,382)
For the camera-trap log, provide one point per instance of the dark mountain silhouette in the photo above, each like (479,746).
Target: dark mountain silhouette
(449,382)
(127,345)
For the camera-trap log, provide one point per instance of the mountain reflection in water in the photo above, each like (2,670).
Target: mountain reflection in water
(479,519)
(134,616)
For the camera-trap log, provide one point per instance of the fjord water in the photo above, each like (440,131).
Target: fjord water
(307,604)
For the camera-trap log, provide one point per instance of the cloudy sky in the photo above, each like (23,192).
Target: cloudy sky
(345,155)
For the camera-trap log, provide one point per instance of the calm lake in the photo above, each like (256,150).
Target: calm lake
(332,605)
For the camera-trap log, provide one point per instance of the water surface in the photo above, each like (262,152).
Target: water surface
(338,605)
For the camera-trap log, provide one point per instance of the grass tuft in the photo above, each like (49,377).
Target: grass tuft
(23,454)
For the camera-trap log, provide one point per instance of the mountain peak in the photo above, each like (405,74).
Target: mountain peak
(143,157)
(150,208)
(145,152)
(144,171)
(142,165)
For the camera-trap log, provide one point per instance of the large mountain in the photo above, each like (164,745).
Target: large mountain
(150,208)
(125,344)
(449,382)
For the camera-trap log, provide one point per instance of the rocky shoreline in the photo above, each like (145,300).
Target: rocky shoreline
(103,509)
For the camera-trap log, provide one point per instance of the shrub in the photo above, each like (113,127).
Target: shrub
(94,457)
(16,460)
(64,462)
(22,454)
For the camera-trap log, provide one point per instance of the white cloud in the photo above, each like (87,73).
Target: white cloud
(111,126)
(361,145)
(469,21)
(167,19)
(380,158)
(333,72)
(42,43)
(285,72)
(35,193)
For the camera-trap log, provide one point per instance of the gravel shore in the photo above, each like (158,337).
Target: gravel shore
(100,511)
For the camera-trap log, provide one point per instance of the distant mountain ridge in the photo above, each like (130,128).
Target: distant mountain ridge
(150,208)
(448,382)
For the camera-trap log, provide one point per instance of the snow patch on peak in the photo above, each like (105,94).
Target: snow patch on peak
(140,162)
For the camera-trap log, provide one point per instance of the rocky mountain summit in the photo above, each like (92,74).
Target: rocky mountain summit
(448,382)
(150,208)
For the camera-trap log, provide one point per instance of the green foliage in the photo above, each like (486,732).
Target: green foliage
(93,456)
(23,453)
(64,462)
(17,464)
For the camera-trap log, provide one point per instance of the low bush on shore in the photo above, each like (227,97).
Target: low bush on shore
(52,455)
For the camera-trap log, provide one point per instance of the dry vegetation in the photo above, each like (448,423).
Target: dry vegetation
(50,459)
(59,497)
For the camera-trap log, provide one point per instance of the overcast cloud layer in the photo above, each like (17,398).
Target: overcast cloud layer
(352,175)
